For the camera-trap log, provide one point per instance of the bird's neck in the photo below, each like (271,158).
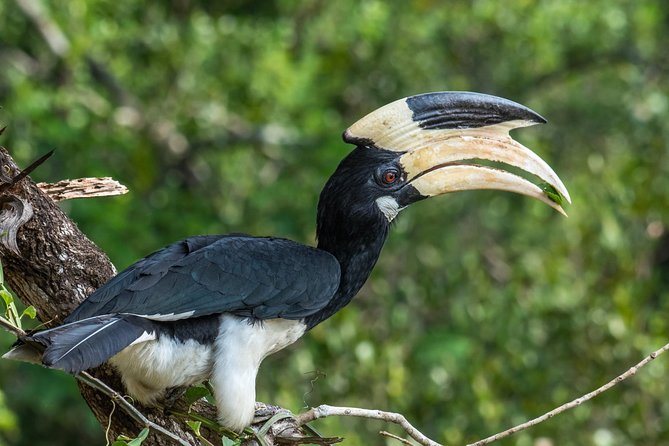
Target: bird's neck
(357,248)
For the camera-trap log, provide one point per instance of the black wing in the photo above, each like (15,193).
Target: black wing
(255,277)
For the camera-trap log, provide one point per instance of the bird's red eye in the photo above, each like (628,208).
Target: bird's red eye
(389,176)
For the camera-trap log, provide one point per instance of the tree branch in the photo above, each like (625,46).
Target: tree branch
(8,326)
(131,410)
(395,437)
(95,383)
(399,419)
(577,402)
(53,266)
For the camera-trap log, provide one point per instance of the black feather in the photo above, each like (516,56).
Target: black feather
(256,277)
(88,343)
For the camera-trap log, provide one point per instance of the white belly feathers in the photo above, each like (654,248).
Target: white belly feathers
(231,363)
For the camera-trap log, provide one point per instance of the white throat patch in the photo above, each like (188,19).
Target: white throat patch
(389,206)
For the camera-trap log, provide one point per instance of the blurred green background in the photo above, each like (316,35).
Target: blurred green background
(486,308)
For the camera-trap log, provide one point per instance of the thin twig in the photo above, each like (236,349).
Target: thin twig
(4,323)
(577,402)
(395,437)
(131,410)
(91,381)
(329,411)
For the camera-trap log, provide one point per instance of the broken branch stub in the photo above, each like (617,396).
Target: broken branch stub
(83,188)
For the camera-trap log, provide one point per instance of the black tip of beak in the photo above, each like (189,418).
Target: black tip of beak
(464,110)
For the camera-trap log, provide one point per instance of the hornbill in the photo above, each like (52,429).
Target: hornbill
(214,306)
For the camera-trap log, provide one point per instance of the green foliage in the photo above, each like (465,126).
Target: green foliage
(225,441)
(485,309)
(123,440)
(8,421)
(195,393)
(11,313)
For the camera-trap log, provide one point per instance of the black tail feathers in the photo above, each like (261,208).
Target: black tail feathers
(83,344)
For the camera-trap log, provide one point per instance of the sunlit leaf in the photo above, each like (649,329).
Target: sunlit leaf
(140,438)
(30,311)
(195,426)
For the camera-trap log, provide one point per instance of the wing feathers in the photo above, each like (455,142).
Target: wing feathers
(249,276)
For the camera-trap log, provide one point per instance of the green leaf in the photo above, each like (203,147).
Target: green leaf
(120,442)
(195,425)
(140,438)
(6,297)
(30,312)
(195,393)
(552,193)
(229,442)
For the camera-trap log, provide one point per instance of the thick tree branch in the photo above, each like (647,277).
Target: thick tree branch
(95,383)
(53,266)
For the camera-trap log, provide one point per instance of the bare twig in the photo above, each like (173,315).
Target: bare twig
(7,325)
(116,397)
(127,407)
(577,402)
(329,411)
(83,188)
(395,437)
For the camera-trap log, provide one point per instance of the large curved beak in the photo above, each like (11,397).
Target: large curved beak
(441,135)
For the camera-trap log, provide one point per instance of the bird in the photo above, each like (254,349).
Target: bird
(213,307)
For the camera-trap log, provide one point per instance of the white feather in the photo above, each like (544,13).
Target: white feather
(240,348)
(146,336)
(389,206)
(169,316)
(151,366)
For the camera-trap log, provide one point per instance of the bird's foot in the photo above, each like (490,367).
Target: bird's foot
(264,412)
(270,418)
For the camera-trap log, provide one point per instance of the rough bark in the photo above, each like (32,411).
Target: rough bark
(51,265)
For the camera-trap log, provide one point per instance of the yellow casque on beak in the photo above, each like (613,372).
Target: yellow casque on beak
(440,134)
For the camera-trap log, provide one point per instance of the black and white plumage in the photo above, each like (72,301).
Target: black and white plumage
(213,307)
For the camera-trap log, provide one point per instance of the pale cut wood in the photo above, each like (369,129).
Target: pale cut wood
(83,188)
